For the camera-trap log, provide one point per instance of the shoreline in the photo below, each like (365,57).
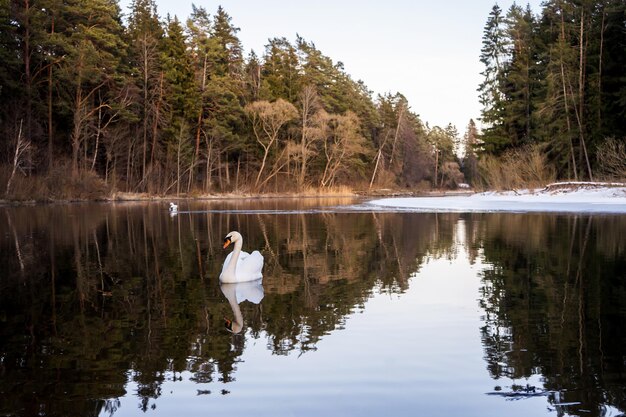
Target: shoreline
(120,197)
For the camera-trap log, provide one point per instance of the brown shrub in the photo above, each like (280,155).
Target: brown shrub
(57,184)
(452,175)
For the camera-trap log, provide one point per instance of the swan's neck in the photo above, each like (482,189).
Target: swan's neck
(232,265)
(238,319)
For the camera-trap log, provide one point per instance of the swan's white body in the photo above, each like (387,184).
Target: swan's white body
(240,266)
(173,208)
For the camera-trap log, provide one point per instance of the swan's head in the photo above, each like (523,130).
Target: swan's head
(232,237)
(232,326)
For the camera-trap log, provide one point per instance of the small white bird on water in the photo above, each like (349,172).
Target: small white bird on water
(173,208)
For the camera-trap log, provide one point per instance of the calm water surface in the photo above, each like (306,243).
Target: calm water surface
(116,309)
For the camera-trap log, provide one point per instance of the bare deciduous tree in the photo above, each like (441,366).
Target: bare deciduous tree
(267,120)
(22,147)
(342,145)
(313,123)
(611,156)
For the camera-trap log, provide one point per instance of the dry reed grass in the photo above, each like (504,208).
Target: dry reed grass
(611,157)
(520,168)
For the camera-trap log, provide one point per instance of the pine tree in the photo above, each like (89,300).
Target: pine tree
(225,122)
(519,83)
(560,81)
(11,87)
(229,58)
(470,159)
(145,35)
(319,71)
(53,50)
(442,142)
(252,75)
(93,39)
(200,46)
(608,81)
(493,55)
(557,109)
(281,77)
(25,43)
(181,97)
(179,75)
(8,54)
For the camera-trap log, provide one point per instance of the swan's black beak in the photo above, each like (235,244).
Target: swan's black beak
(226,242)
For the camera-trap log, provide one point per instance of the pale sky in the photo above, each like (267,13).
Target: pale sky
(427,50)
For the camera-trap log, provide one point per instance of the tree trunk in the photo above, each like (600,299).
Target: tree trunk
(20,147)
(199,125)
(600,57)
(395,137)
(303,140)
(581,92)
(27,70)
(129,153)
(227,170)
(564,83)
(98,133)
(50,140)
(144,147)
(155,123)
(178,152)
(78,109)
(375,167)
(207,184)
(436,165)
(219,171)
(265,153)
(237,177)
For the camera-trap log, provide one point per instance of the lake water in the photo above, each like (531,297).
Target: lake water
(116,310)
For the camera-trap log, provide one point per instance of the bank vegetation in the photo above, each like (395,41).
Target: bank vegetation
(98,104)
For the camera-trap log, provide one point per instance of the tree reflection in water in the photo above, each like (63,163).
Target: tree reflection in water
(100,295)
(555,303)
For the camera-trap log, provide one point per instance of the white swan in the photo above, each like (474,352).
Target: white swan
(237,293)
(240,266)
(173,207)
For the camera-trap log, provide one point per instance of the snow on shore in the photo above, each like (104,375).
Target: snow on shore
(559,197)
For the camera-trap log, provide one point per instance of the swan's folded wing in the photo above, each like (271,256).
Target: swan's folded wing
(250,266)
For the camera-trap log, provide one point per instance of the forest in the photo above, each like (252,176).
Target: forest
(554,86)
(97,101)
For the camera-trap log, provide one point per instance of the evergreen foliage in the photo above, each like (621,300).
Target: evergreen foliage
(160,107)
(154,105)
(556,79)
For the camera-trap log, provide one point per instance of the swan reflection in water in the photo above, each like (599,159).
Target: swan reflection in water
(241,279)
(237,293)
